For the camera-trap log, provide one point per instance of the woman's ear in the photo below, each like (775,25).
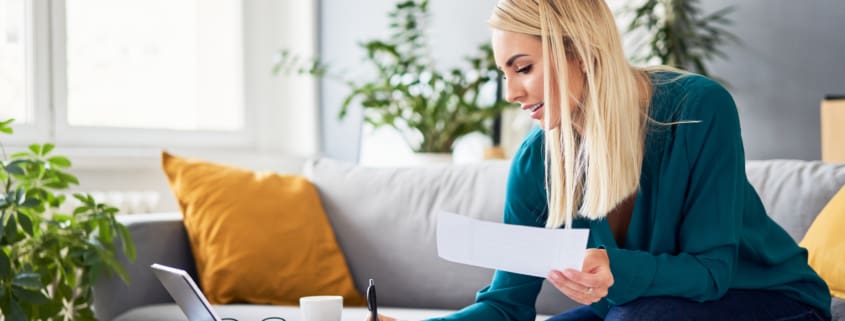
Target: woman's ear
(581,65)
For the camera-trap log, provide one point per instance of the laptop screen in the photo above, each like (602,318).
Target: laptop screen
(185,292)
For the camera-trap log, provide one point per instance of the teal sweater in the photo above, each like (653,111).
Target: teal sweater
(698,227)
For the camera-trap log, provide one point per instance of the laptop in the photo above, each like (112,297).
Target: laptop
(185,292)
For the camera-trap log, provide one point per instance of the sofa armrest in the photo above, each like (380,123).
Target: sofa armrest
(159,238)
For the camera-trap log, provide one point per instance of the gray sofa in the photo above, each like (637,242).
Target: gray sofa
(384,222)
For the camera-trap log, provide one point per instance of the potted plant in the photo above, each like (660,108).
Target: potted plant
(678,34)
(429,107)
(49,260)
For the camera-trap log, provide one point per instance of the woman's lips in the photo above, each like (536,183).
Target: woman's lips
(536,110)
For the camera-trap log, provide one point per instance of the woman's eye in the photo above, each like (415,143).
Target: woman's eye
(524,70)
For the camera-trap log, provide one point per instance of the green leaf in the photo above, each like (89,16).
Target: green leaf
(64,290)
(20,155)
(128,243)
(106,234)
(26,223)
(51,308)
(111,210)
(57,185)
(5,128)
(68,178)
(21,195)
(59,161)
(77,253)
(57,201)
(91,256)
(30,203)
(3,222)
(27,280)
(86,199)
(84,315)
(15,166)
(11,230)
(47,148)
(31,296)
(35,148)
(61,218)
(5,265)
(80,210)
(14,312)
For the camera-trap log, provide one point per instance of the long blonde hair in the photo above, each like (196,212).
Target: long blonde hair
(600,167)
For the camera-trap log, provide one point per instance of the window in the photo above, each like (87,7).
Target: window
(154,73)
(130,62)
(15,99)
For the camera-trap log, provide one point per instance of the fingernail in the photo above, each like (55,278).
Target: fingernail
(554,276)
(568,273)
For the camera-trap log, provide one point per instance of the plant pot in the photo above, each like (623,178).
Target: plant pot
(426,159)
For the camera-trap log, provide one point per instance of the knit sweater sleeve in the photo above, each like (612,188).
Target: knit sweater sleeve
(511,296)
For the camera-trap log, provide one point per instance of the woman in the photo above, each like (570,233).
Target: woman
(651,161)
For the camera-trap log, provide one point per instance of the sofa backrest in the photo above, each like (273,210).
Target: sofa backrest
(795,191)
(384,220)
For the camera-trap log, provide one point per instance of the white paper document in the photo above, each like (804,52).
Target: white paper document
(513,248)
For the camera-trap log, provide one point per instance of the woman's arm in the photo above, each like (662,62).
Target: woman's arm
(511,296)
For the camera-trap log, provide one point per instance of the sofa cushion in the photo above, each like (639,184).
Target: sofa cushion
(257,237)
(795,191)
(385,217)
(171,312)
(825,243)
(159,238)
(838,309)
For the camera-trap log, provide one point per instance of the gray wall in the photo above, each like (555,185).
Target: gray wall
(792,53)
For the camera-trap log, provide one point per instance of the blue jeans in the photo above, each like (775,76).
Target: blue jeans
(739,305)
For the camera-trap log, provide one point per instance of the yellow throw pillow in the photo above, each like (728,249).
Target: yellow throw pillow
(257,237)
(825,243)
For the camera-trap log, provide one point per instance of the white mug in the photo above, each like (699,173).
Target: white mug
(321,308)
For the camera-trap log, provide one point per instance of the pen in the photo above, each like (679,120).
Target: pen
(372,305)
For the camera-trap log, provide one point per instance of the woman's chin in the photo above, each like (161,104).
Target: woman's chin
(542,125)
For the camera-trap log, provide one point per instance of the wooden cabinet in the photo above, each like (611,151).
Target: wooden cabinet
(833,129)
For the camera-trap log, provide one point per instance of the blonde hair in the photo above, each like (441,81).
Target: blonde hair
(600,167)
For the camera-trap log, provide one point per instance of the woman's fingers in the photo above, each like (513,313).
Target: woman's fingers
(599,278)
(566,282)
(596,270)
(574,290)
(588,286)
(587,280)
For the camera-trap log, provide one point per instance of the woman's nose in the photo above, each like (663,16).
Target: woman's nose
(512,91)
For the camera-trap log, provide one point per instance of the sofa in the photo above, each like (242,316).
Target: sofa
(384,222)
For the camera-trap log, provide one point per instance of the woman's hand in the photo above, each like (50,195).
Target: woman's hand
(588,285)
(382,317)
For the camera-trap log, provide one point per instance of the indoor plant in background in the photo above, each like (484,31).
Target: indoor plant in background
(677,33)
(50,260)
(429,107)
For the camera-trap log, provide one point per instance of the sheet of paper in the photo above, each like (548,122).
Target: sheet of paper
(513,248)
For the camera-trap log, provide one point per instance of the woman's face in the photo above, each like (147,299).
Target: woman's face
(520,57)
